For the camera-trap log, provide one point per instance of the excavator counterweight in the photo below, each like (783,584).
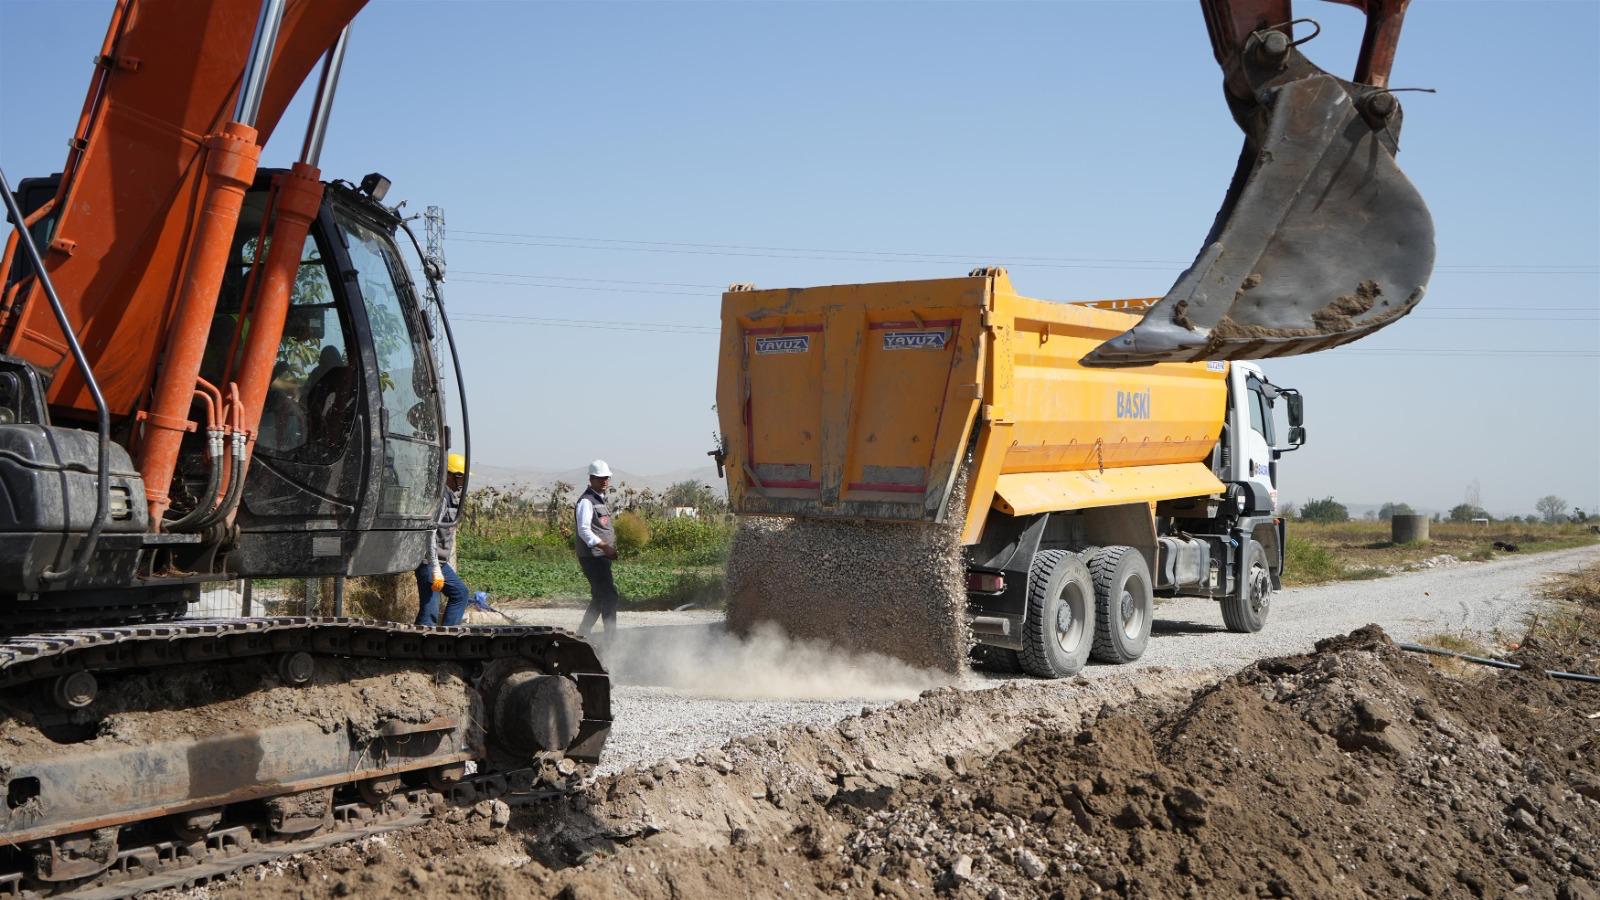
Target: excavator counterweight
(1321,239)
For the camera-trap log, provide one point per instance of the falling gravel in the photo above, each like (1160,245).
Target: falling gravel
(892,589)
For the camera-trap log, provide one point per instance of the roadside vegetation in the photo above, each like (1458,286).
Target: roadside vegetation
(518,546)
(1571,626)
(1319,552)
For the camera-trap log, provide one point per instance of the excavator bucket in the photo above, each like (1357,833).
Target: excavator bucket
(1321,239)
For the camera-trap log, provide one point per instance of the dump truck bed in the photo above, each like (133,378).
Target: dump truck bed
(866,401)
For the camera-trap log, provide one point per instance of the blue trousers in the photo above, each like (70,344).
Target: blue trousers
(455,595)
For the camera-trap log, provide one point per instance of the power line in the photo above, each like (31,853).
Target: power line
(677,328)
(586,278)
(538,281)
(576,287)
(707,248)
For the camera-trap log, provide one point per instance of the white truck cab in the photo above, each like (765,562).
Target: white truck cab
(1250,446)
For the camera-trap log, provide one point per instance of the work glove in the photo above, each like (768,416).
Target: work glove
(438,579)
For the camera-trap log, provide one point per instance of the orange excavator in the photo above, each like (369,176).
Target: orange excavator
(210,370)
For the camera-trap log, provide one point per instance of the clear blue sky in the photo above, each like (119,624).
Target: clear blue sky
(977,132)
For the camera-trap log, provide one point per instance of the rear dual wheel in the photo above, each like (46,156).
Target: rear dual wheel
(1125,604)
(1058,630)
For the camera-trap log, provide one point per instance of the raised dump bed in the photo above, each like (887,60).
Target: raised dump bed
(861,401)
(871,402)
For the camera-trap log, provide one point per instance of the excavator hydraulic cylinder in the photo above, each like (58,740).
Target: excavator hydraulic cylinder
(231,158)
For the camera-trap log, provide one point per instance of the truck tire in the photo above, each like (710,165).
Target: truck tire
(1125,604)
(1245,609)
(1059,627)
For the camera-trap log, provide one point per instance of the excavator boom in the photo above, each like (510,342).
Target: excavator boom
(1321,239)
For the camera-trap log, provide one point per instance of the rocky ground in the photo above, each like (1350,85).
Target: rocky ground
(1350,770)
(1354,770)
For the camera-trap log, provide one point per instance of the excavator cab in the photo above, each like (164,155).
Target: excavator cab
(347,469)
(348,460)
(1321,239)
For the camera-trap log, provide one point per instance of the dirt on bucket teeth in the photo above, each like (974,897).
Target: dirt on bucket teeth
(1355,770)
(893,589)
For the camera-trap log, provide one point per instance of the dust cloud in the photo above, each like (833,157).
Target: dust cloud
(765,664)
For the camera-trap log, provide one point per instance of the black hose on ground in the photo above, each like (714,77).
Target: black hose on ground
(1496,663)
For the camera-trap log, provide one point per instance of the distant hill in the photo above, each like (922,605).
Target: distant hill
(534,480)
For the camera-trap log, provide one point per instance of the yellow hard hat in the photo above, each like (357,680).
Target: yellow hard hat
(455,464)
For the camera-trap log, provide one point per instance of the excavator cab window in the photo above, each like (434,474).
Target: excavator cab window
(409,414)
(313,396)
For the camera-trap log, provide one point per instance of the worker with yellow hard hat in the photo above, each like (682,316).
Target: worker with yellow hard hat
(436,575)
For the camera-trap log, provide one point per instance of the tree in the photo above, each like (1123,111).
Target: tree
(1579,515)
(1466,512)
(1390,510)
(1551,507)
(1288,510)
(1325,510)
(699,495)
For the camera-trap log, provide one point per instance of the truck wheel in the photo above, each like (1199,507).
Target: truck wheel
(1125,604)
(1059,628)
(1245,609)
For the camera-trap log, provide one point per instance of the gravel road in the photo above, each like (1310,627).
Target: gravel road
(666,711)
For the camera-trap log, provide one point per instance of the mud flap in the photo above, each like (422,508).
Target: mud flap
(1321,239)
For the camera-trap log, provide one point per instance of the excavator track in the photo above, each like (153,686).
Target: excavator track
(138,757)
(182,865)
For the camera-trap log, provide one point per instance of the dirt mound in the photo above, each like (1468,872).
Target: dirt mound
(1351,771)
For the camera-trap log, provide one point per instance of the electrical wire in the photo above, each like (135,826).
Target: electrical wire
(702,248)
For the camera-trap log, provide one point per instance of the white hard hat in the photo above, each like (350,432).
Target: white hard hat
(599,469)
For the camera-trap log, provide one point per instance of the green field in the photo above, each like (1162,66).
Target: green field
(663,563)
(520,550)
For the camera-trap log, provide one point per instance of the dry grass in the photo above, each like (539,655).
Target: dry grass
(1570,625)
(1582,586)
(1459,642)
(1341,551)
(389,598)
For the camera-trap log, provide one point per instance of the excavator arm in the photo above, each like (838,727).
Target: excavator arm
(1321,239)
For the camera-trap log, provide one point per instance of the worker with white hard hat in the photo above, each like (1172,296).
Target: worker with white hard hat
(437,575)
(596,544)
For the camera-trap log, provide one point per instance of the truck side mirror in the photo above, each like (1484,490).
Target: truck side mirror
(1297,414)
(1297,435)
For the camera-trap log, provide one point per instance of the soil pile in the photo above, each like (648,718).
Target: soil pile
(890,589)
(1355,770)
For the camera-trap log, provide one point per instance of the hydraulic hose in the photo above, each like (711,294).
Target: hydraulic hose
(236,473)
(202,505)
(1496,663)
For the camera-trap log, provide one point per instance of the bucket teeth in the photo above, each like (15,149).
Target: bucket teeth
(1321,239)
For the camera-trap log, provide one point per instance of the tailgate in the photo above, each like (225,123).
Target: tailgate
(850,401)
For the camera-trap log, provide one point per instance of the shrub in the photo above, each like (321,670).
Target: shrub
(633,532)
(1325,510)
(1308,562)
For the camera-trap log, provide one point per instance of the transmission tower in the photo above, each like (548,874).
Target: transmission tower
(433,262)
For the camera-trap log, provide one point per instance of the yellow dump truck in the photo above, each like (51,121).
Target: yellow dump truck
(1079,492)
